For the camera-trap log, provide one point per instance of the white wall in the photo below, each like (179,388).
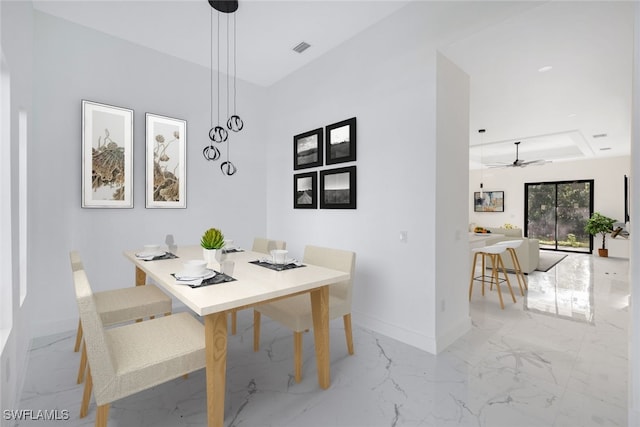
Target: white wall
(608,175)
(450,231)
(386,77)
(634,265)
(74,63)
(16,25)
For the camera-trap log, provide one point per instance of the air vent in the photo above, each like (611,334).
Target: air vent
(605,149)
(301,47)
(600,135)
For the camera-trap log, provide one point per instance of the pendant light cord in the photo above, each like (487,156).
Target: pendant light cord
(235,67)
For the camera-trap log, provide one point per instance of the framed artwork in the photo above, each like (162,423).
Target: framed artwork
(305,190)
(166,162)
(107,156)
(490,201)
(307,149)
(338,188)
(341,142)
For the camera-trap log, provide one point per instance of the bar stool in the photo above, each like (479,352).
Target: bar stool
(494,253)
(511,248)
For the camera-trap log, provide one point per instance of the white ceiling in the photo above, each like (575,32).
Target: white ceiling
(554,113)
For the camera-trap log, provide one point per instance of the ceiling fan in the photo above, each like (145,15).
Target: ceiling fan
(518,163)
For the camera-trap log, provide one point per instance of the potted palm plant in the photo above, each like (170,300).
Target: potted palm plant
(600,224)
(212,242)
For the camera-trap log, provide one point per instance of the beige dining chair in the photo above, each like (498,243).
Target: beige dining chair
(120,306)
(295,312)
(127,359)
(265,246)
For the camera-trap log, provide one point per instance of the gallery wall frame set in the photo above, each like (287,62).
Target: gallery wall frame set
(335,188)
(107,158)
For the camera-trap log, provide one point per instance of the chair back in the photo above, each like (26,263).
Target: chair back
(265,246)
(98,354)
(76,262)
(335,259)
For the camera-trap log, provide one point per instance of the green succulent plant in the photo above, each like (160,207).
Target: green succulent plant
(212,239)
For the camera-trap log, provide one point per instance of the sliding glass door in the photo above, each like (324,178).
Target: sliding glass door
(556,213)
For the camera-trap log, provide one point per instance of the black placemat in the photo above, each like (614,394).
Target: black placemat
(167,255)
(276,267)
(215,280)
(231,251)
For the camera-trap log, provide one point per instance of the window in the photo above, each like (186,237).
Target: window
(6,300)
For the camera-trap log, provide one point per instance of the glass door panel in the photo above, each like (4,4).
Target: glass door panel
(556,213)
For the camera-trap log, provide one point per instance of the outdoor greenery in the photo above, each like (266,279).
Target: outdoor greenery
(572,211)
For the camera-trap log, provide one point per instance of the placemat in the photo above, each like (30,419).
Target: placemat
(167,255)
(231,251)
(215,280)
(276,267)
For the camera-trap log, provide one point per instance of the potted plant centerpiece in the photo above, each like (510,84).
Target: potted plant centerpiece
(600,224)
(212,242)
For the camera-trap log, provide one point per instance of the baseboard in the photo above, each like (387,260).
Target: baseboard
(453,334)
(413,338)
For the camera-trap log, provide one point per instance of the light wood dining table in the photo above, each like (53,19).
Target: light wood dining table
(254,285)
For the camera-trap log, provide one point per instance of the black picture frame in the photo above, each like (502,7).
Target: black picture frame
(340,142)
(490,201)
(338,188)
(307,149)
(305,190)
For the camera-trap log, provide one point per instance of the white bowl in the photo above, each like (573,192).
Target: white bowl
(194,267)
(151,249)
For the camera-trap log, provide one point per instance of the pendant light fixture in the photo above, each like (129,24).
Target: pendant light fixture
(218,133)
(481,132)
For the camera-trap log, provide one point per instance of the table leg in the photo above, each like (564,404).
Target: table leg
(320,313)
(215,331)
(141,277)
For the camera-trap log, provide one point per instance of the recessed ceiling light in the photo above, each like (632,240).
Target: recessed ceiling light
(545,68)
(301,47)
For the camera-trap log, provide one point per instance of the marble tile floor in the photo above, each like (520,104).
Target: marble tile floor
(555,358)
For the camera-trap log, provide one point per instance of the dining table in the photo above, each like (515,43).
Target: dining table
(251,283)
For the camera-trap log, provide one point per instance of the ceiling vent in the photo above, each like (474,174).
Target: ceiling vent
(600,135)
(301,47)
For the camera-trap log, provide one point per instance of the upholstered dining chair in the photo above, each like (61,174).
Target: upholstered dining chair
(127,359)
(120,306)
(265,246)
(295,312)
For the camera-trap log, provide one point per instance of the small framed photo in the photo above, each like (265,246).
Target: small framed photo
(305,190)
(107,156)
(338,188)
(341,142)
(166,162)
(488,201)
(307,149)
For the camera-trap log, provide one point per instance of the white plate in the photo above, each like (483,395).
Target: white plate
(150,254)
(482,234)
(185,276)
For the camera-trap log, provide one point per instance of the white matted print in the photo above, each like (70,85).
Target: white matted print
(107,156)
(166,162)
